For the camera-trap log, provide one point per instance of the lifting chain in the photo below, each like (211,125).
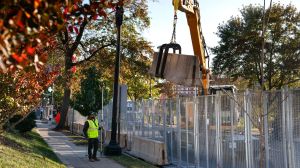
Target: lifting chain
(173,39)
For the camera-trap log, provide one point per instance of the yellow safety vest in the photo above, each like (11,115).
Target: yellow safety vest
(93,129)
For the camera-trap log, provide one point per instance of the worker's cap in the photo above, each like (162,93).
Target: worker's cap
(92,113)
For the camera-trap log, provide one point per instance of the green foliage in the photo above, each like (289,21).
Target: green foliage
(239,51)
(27,124)
(7,102)
(135,60)
(94,45)
(89,98)
(21,92)
(166,89)
(136,64)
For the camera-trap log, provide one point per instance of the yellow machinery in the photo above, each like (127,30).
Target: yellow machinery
(192,11)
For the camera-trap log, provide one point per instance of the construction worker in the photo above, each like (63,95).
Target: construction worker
(90,130)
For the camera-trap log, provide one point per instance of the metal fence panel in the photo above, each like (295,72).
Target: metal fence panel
(296,126)
(226,130)
(275,138)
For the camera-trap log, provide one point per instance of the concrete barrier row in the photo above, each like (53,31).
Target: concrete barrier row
(150,150)
(76,128)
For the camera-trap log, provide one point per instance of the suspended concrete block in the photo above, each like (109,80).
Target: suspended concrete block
(179,69)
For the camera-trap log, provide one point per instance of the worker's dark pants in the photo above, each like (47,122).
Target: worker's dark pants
(93,144)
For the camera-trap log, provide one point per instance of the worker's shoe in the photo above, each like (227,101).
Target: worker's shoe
(91,160)
(96,159)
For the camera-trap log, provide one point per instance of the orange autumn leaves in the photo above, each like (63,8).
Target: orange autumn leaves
(30,86)
(29,26)
(22,91)
(25,26)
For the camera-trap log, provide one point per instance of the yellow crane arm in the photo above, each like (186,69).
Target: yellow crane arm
(192,12)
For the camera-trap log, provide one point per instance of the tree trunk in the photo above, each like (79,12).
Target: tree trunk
(67,91)
(270,69)
(64,109)
(69,51)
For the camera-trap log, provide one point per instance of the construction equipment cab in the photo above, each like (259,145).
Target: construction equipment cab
(181,69)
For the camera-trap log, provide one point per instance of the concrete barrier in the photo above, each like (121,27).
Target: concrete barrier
(150,150)
(77,128)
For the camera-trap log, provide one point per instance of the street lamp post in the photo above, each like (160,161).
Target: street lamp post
(52,98)
(102,97)
(113,147)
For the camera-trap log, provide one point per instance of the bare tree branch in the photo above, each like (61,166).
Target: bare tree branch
(292,81)
(62,39)
(79,36)
(258,69)
(92,55)
(83,47)
(60,48)
(66,39)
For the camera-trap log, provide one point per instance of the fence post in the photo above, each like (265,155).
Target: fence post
(218,130)
(165,120)
(284,140)
(147,117)
(251,161)
(137,116)
(187,131)
(206,131)
(266,129)
(248,136)
(196,132)
(143,122)
(171,133)
(290,129)
(246,128)
(178,111)
(126,126)
(152,118)
(133,117)
(233,145)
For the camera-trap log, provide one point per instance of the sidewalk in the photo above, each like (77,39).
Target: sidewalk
(71,155)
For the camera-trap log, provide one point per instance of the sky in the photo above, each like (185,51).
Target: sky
(213,13)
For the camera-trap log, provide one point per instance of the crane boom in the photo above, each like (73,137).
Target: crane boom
(192,12)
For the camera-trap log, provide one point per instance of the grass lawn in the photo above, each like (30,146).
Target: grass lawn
(131,162)
(26,150)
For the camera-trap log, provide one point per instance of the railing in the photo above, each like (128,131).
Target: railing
(245,130)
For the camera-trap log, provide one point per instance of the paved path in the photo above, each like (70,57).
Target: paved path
(71,155)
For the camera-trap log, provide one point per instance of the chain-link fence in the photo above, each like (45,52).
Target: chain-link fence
(250,129)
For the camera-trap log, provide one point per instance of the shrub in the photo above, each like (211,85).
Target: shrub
(27,124)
